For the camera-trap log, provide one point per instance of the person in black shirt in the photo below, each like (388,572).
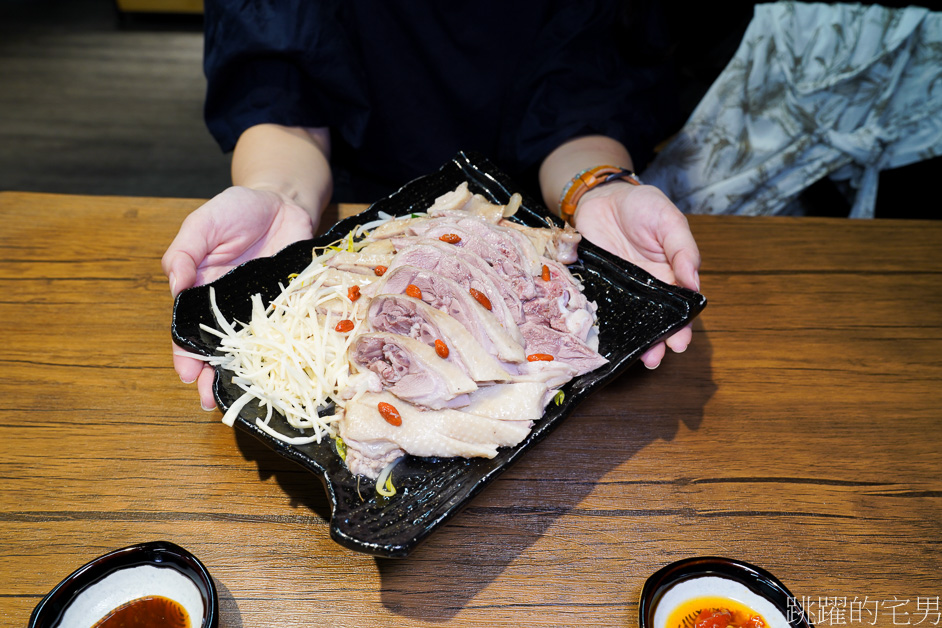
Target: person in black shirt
(347,101)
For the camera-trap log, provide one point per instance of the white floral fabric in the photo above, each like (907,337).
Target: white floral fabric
(814,90)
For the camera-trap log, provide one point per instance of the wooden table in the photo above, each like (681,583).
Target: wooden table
(799,432)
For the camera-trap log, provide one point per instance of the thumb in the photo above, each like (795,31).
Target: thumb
(180,270)
(686,265)
(187,251)
(681,249)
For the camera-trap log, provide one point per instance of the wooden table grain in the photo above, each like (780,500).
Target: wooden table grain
(799,432)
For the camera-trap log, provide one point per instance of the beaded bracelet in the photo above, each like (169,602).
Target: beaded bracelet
(585,181)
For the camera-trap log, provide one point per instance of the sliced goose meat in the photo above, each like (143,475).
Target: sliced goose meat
(412,371)
(559,244)
(560,303)
(562,346)
(364,263)
(520,401)
(500,252)
(449,297)
(400,314)
(469,271)
(445,433)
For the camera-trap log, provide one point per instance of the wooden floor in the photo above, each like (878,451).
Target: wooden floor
(95,102)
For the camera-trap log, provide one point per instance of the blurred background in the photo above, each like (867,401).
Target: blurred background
(106,97)
(95,99)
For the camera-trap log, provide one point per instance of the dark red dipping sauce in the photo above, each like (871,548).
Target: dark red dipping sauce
(147,612)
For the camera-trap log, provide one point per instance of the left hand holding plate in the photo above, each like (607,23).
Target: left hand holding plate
(640,224)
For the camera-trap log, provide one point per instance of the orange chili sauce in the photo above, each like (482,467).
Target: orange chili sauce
(152,611)
(695,612)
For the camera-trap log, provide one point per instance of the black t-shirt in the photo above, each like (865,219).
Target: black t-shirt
(404,85)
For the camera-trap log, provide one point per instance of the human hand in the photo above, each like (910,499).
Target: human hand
(641,225)
(235,226)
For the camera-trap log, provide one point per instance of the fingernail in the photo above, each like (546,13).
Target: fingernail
(651,368)
(696,279)
(188,381)
(205,409)
(173,286)
(682,349)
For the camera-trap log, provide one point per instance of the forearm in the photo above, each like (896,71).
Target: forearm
(576,155)
(292,161)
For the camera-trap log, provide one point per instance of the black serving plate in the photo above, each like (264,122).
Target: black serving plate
(756,579)
(635,311)
(161,554)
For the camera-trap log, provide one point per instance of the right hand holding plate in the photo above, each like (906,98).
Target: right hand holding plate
(237,225)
